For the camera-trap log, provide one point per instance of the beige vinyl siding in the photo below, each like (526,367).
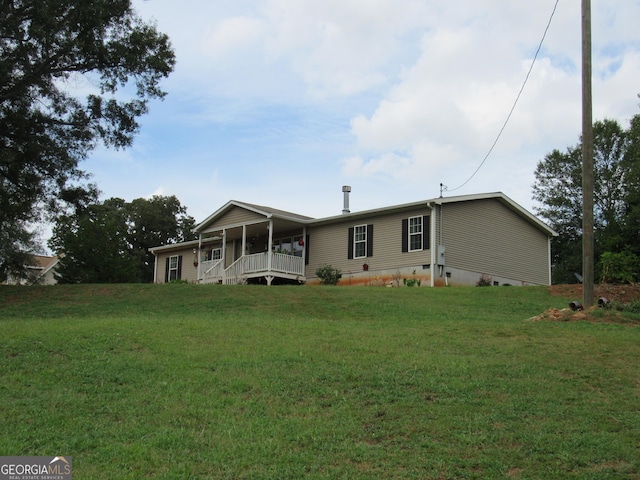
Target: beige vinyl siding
(486,236)
(189,272)
(234,217)
(328,244)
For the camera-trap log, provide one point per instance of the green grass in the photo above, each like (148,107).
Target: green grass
(193,382)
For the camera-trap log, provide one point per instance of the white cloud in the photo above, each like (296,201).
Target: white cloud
(289,99)
(445,111)
(233,37)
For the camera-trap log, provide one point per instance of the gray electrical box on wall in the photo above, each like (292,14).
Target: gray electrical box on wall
(441,255)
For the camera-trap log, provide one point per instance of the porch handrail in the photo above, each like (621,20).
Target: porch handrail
(233,274)
(256,262)
(212,264)
(214,270)
(287,264)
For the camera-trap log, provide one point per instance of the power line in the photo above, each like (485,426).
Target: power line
(535,57)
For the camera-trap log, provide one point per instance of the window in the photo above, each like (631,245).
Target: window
(214,254)
(297,248)
(360,242)
(173,270)
(415,233)
(282,245)
(286,246)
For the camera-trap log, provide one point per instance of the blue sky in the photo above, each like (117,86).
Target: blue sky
(281,102)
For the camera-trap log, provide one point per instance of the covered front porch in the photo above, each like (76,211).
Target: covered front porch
(258,251)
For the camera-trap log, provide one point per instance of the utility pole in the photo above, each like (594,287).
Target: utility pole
(587,161)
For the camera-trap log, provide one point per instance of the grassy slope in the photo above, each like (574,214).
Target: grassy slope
(184,381)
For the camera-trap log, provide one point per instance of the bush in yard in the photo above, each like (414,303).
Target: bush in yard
(411,282)
(329,275)
(618,267)
(484,281)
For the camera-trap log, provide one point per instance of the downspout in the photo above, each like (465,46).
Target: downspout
(442,269)
(432,245)
(155,268)
(549,261)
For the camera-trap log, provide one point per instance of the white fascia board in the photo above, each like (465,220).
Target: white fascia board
(175,246)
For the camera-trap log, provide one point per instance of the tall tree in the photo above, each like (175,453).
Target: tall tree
(94,246)
(160,220)
(631,162)
(109,242)
(46,129)
(558,187)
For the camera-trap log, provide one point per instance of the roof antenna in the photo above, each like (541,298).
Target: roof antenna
(443,188)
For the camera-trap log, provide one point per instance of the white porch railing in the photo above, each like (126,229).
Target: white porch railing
(254,264)
(287,264)
(236,272)
(213,271)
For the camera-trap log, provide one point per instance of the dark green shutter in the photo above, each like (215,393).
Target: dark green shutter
(350,245)
(405,235)
(370,240)
(166,271)
(426,232)
(306,250)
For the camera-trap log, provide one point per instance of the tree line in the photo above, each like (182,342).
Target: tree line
(109,241)
(558,189)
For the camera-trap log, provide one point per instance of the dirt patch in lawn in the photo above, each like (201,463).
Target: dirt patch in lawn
(605,295)
(615,293)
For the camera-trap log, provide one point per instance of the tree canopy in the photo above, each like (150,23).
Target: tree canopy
(558,188)
(50,52)
(109,242)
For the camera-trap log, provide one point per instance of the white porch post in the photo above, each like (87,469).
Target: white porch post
(199,274)
(270,246)
(244,240)
(224,247)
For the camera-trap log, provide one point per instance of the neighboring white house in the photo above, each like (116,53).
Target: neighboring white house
(41,271)
(440,241)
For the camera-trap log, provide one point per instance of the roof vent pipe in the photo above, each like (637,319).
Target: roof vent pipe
(346,190)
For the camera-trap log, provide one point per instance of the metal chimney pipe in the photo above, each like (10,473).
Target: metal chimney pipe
(346,190)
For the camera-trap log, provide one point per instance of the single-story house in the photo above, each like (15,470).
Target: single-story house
(441,241)
(41,271)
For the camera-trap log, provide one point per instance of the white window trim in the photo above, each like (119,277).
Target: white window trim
(291,240)
(173,269)
(356,242)
(414,234)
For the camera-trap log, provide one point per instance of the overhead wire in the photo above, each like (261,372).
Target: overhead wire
(526,79)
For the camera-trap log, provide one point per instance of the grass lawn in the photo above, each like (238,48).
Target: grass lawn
(194,382)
